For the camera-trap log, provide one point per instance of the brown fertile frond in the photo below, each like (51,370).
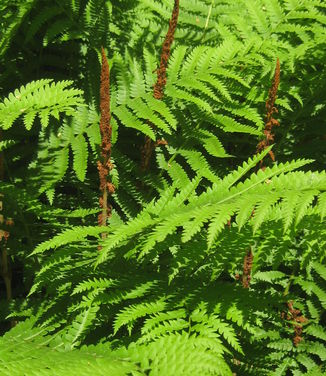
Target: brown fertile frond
(270,110)
(146,152)
(295,315)
(104,165)
(5,270)
(165,55)
(247,266)
(158,91)
(273,90)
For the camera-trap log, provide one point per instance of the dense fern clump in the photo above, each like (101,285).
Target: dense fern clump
(163,187)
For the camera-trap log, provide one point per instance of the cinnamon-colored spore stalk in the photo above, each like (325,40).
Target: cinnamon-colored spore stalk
(165,55)
(270,111)
(295,315)
(159,86)
(247,266)
(104,165)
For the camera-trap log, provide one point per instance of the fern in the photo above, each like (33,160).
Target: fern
(212,261)
(12,15)
(42,98)
(76,234)
(128,316)
(26,350)
(79,326)
(205,209)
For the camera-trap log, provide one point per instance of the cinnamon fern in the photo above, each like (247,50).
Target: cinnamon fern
(192,253)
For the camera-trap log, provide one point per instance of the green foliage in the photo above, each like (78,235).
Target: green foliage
(161,290)
(30,351)
(41,98)
(12,14)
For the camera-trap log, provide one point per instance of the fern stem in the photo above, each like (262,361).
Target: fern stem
(5,271)
(288,285)
(209,14)
(207,19)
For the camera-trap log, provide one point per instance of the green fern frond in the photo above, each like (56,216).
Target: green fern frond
(233,177)
(44,16)
(75,234)
(130,314)
(269,276)
(80,325)
(310,288)
(316,331)
(320,269)
(80,151)
(12,16)
(42,98)
(140,108)
(168,355)
(218,223)
(265,197)
(162,109)
(128,119)
(88,285)
(156,319)
(228,124)
(27,350)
